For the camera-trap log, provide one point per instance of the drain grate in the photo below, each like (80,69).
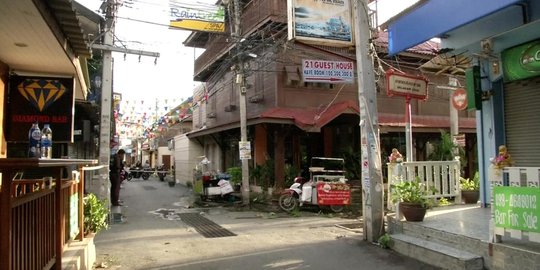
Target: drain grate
(149,188)
(204,226)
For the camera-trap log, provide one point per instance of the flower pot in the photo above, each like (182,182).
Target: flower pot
(470,196)
(412,211)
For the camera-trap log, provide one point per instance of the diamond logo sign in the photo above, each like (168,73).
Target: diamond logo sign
(41,93)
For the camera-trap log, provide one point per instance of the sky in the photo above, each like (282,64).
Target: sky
(142,25)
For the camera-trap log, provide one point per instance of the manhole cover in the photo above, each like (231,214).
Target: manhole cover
(204,226)
(149,188)
(358,226)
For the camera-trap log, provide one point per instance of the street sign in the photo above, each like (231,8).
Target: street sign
(398,84)
(327,71)
(459,99)
(245,150)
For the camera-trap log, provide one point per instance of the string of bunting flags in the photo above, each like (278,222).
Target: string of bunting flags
(143,119)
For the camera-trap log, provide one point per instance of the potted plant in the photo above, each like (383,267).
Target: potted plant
(171,178)
(412,199)
(236,177)
(470,188)
(95,214)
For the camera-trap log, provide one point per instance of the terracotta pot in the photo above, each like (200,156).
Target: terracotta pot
(470,196)
(412,211)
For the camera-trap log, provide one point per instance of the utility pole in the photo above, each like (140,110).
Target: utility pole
(372,187)
(110,9)
(106,103)
(240,82)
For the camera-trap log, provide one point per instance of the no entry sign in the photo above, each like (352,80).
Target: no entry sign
(459,99)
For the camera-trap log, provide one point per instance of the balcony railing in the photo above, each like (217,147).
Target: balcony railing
(38,217)
(440,178)
(255,15)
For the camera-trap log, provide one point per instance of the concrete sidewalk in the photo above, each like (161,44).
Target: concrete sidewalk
(152,236)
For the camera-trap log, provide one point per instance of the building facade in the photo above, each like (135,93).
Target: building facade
(291,119)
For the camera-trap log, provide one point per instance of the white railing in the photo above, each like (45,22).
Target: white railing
(526,177)
(440,178)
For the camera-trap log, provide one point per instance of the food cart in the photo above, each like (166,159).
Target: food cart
(326,187)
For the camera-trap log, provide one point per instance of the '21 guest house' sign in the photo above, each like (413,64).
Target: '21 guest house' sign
(45,100)
(517,208)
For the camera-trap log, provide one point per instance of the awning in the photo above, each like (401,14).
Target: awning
(424,121)
(311,119)
(409,28)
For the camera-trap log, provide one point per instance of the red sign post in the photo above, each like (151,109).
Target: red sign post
(408,86)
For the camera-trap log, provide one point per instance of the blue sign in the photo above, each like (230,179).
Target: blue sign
(411,28)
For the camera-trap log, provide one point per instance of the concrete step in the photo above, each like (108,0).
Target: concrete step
(453,240)
(434,253)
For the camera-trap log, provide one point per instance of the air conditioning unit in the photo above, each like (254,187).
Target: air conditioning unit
(211,115)
(230,108)
(256,99)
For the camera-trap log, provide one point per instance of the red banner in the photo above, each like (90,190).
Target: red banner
(333,193)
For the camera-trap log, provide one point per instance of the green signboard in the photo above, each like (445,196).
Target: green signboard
(517,208)
(522,61)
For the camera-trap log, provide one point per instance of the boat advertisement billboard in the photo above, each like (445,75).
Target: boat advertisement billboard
(326,22)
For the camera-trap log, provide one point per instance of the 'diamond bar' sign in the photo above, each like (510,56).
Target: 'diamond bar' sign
(45,100)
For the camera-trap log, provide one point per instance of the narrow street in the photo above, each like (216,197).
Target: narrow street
(154,235)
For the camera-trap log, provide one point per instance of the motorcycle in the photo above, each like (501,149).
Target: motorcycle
(134,172)
(161,172)
(327,187)
(146,173)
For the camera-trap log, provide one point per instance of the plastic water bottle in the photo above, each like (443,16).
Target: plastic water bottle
(34,138)
(46,142)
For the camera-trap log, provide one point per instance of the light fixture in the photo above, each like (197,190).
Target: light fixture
(97,81)
(252,55)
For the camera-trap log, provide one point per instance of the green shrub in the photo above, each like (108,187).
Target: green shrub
(95,214)
(469,184)
(236,175)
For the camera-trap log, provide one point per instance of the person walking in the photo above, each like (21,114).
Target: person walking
(116,167)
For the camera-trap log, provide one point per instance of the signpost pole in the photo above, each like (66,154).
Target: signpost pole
(408,129)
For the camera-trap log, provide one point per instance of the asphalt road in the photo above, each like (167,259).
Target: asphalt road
(152,236)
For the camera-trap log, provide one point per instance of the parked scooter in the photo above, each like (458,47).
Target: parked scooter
(146,173)
(134,172)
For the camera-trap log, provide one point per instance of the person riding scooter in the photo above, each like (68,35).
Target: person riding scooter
(161,172)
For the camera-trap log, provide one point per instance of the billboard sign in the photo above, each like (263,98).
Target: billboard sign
(45,100)
(398,84)
(326,22)
(522,61)
(327,71)
(197,17)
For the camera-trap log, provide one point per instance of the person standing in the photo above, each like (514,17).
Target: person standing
(116,167)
